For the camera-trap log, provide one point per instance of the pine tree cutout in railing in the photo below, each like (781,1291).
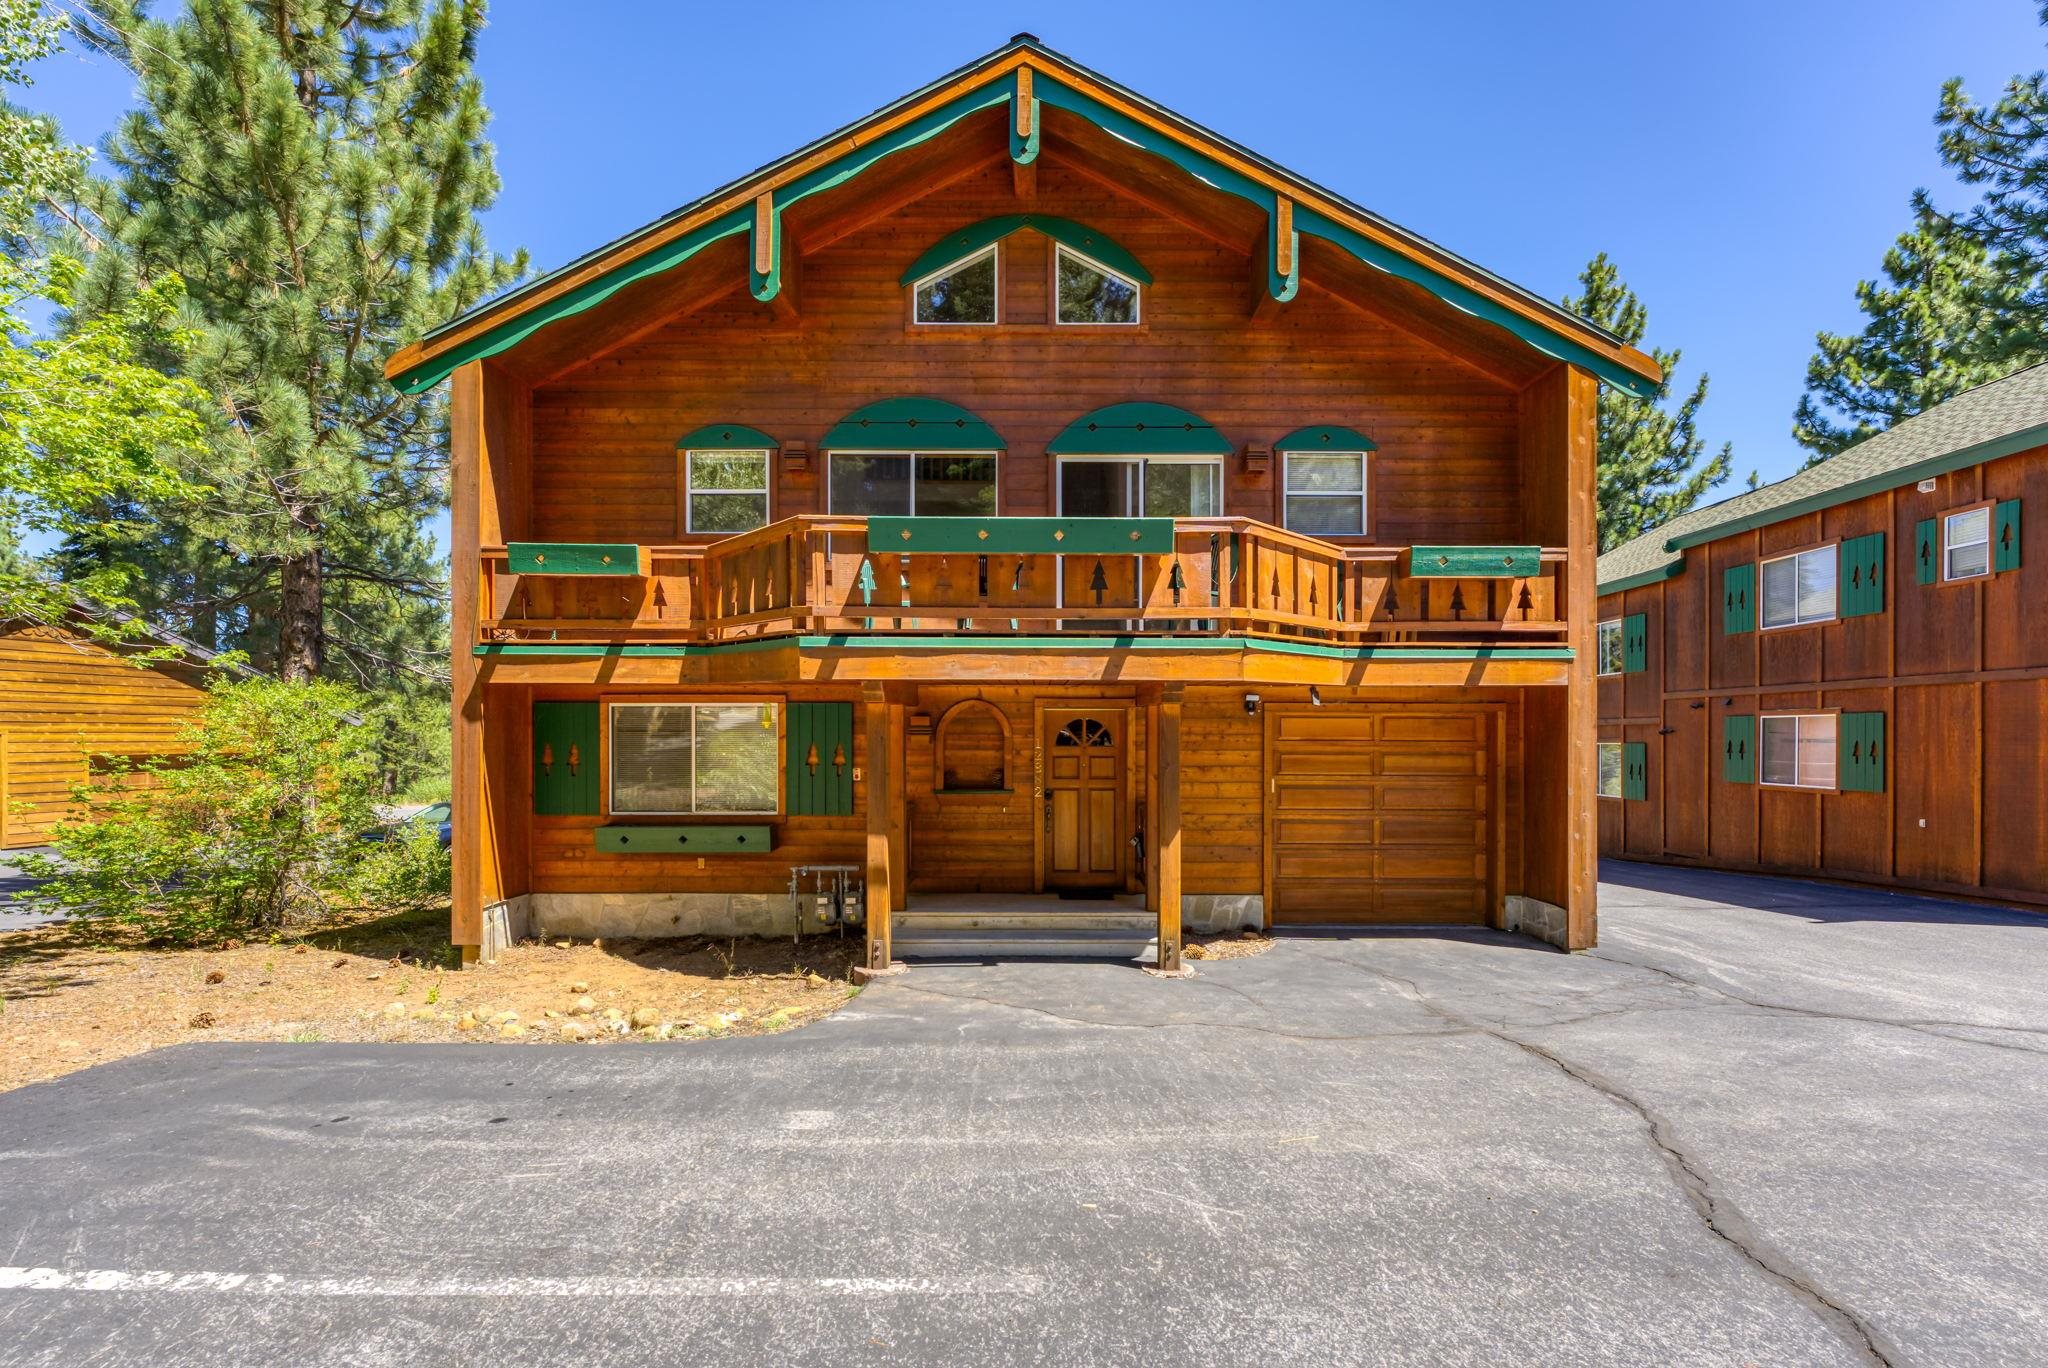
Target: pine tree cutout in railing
(1176,581)
(1457,603)
(1098,582)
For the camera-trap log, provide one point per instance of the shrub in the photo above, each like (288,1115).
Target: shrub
(406,871)
(254,826)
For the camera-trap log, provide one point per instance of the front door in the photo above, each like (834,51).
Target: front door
(1084,769)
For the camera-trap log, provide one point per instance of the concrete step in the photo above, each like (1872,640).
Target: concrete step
(1035,944)
(1079,917)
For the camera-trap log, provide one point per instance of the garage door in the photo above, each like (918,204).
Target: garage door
(1380,814)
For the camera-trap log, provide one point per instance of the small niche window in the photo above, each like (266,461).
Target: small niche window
(1326,493)
(902,484)
(1610,768)
(1966,544)
(1091,293)
(728,490)
(971,749)
(1610,653)
(1799,751)
(1800,588)
(964,292)
(695,758)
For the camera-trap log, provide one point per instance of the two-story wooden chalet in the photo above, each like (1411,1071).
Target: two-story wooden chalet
(1845,673)
(1053,510)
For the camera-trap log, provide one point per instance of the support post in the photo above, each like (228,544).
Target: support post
(881,765)
(1164,808)
(1025,136)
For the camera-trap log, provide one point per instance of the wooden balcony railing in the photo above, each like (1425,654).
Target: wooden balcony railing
(820,574)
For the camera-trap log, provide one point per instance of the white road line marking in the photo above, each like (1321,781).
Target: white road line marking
(23,1279)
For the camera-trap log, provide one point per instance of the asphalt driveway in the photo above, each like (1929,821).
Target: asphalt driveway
(1765,1123)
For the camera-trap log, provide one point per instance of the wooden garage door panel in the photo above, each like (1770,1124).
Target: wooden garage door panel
(1397,763)
(1327,862)
(1449,903)
(1327,725)
(1362,902)
(1417,796)
(1324,829)
(1328,759)
(1448,829)
(1424,864)
(1300,797)
(1447,730)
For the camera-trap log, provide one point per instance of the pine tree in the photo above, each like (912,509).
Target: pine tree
(1651,467)
(313,169)
(1942,321)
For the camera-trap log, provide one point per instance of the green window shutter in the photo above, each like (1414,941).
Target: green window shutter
(1635,769)
(1859,752)
(1738,748)
(1926,549)
(1635,643)
(1738,607)
(1861,575)
(820,759)
(2005,535)
(565,749)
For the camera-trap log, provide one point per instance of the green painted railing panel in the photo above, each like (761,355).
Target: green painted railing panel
(1738,748)
(573,558)
(820,759)
(1635,769)
(1635,643)
(1021,536)
(1859,751)
(1738,599)
(565,751)
(1926,552)
(687,840)
(1474,562)
(2005,535)
(1860,575)
(1139,429)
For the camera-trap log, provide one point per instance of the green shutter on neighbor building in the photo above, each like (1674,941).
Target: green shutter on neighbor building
(1861,575)
(565,749)
(1635,769)
(1859,752)
(820,737)
(1738,592)
(1738,748)
(1926,548)
(1635,643)
(2005,535)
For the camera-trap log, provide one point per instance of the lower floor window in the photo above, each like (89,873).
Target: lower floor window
(1799,751)
(1610,769)
(673,758)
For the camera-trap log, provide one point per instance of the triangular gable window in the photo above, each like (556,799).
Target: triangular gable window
(1091,293)
(964,292)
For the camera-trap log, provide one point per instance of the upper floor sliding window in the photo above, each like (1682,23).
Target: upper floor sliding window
(728,490)
(1801,588)
(906,484)
(962,292)
(1091,293)
(1140,486)
(1326,493)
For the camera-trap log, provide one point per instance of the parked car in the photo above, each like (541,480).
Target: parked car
(440,816)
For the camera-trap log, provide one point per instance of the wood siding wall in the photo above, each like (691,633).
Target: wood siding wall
(1955,668)
(605,465)
(64,701)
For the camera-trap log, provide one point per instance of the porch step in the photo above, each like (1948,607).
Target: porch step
(1033,943)
(1105,916)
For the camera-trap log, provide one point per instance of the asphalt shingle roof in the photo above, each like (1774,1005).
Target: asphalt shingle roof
(1992,420)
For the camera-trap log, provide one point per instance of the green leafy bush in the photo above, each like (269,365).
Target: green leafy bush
(407,870)
(256,825)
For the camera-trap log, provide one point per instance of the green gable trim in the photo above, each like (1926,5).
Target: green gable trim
(725,437)
(965,242)
(1643,580)
(999,91)
(1076,642)
(1326,437)
(1018,536)
(1139,429)
(911,425)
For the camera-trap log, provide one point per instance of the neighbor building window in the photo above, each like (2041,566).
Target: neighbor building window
(728,490)
(1609,652)
(1966,544)
(1610,767)
(1800,588)
(1799,751)
(691,758)
(964,292)
(1090,292)
(905,484)
(1326,493)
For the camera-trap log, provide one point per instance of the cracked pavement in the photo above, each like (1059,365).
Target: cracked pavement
(1766,1122)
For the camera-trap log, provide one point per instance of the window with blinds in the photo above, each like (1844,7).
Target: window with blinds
(690,758)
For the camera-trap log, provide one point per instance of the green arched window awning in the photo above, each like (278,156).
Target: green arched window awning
(1326,437)
(911,425)
(1139,429)
(965,242)
(726,437)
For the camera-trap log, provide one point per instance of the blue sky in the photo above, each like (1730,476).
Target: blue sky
(1744,163)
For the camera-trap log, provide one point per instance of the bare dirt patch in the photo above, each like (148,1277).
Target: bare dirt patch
(1227,945)
(75,997)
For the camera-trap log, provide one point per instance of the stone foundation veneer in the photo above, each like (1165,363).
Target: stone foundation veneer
(1534,917)
(1208,913)
(505,923)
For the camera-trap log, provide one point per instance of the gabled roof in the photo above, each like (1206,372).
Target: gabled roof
(1023,74)
(1982,424)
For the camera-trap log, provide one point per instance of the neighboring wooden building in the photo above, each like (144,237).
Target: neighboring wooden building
(68,705)
(1845,673)
(1023,491)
